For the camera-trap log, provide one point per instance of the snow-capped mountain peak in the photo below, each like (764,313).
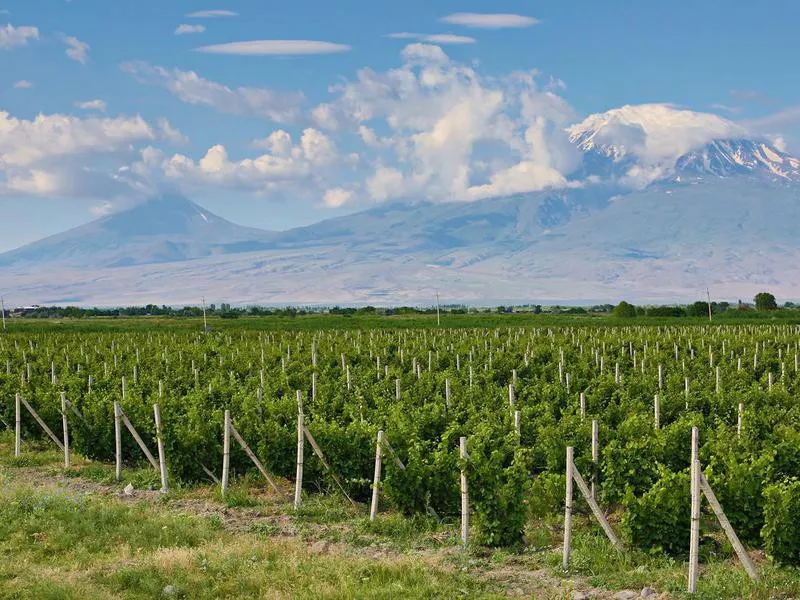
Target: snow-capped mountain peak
(652,133)
(728,157)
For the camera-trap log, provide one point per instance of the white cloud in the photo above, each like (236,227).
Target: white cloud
(13,37)
(211,14)
(52,155)
(23,85)
(435,38)
(183,29)
(432,122)
(489,20)
(76,49)
(275,48)
(189,87)
(286,164)
(336,197)
(99,105)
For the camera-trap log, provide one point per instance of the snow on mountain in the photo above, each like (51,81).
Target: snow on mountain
(669,202)
(161,229)
(650,132)
(725,158)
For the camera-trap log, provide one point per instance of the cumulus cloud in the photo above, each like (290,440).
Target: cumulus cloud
(76,49)
(98,105)
(433,121)
(285,164)
(23,85)
(211,14)
(14,37)
(51,155)
(490,20)
(435,38)
(191,88)
(275,48)
(184,29)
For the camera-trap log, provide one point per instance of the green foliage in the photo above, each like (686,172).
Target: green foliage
(782,527)
(624,310)
(659,518)
(765,301)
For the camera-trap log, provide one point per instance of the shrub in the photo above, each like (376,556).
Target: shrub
(781,531)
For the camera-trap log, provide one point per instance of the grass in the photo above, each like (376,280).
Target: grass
(62,545)
(66,534)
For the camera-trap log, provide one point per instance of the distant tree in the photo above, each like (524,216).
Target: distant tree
(765,301)
(624,310)
(666,311)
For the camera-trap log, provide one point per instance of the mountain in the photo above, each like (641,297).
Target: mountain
(664,205)
(161,229)
(728,158)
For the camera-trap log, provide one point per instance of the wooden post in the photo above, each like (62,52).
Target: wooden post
(657,412)
(583,405)
(376,480)
(118,439)
(717,376)
(595,456)
(660,377)
(226,452)
(511,397)
(518,424)
(464,493)
(162,459)
(739,420)
(65,426)
(694,532)
(298,484)
(568,511)
(18,426)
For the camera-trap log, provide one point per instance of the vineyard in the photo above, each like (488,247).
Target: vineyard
(520,397)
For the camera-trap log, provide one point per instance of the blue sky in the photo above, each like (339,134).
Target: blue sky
(105,102)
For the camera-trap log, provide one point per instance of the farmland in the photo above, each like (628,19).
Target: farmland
(519,390)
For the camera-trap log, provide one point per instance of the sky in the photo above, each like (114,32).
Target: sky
(276,115)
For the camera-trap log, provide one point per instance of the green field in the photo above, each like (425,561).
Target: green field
(76,533)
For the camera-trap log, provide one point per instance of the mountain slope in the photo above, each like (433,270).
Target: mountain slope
(163,229)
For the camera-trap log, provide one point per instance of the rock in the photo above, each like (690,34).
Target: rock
(320,547)
(576,595)
(647,592)
(626,595)
(169,590)
(128,489)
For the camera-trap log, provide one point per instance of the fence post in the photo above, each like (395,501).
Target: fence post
(657,412)
(226,452)
(694,532)
(66,429)
(162,459)
(568,511)
(118,439)
(595,457)
(464,493)
(376,480)
(298,484)
(18,426)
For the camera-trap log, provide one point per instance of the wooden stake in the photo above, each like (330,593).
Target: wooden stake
(739,420)
(568,510)
(65,427)
(464,493)
(18,426)
(376,480)
(298,484)
(595,456)
(226,452)
(162,458)
(118,439)
(694,532)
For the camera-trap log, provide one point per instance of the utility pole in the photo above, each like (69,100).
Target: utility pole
(708,296)
(438,320)
(205,323)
